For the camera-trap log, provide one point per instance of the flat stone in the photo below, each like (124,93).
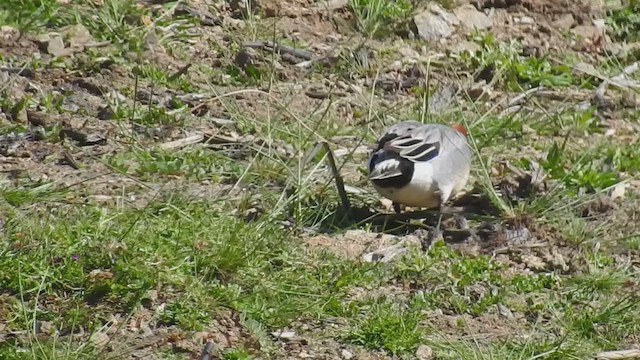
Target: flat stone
(424,352)
(471,18)
(435,23)
(565,22)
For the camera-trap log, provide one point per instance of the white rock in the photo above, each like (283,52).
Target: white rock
(471,18)
(424,352)
(435,23)
(346,354)
(283,334)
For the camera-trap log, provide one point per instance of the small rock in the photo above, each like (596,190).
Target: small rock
(435,23)
(465,45)
(396,65)
(519,235)
(355,88)
(69,106)
(557,261)
(587,31)
(533,262)
(505,311)
(78,36)
(471,18)
(283,334)
(424,352)
(99,339)
(83,139)
(565,22)
(242,8)
(524,20)
(618,191)
(600,24)
(8,34)
(409,53)
(145,330)
(305,355)
(46,327)
(384,255)
(55,46)
(186,346)
(346,354)
(235,24)
(201,336)
(220,340)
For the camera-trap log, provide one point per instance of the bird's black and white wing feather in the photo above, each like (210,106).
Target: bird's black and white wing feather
(414,142)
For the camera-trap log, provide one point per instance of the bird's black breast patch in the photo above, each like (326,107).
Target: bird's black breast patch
(406,173)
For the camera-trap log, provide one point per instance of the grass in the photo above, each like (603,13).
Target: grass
(219,240)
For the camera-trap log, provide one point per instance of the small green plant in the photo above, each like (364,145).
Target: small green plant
(387,327)
(236,354)
(375,16)
(516,72)
(585,172)
(624,23)
(185,314)
(32,14)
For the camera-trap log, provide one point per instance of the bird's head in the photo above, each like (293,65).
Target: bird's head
(460,128)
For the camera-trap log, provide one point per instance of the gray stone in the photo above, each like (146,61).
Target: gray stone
(435,23)
(464,45)
(424,352)
(471,18)
(565,22)
(346,354)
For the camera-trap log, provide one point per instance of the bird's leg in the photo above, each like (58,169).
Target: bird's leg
(462,222)
(439,215)
(396,207)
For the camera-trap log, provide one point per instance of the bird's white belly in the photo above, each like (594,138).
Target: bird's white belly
(422,191)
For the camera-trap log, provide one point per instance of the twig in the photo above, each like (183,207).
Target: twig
(359,150)
(311,153)
(69,160)
(618,354)
(205,18)
(194,139)
(23,71)
(516,100)
(206,352)
(271,46)
(618,80)
(336,175)
(183,70)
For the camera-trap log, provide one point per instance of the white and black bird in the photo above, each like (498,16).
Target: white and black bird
(421,165)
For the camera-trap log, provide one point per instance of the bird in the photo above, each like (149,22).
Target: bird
(420,165)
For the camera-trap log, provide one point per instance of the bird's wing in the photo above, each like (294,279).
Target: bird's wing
(420,143)
(427,142)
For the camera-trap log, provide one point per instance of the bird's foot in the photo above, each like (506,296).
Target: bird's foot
(396,208)
(461,222)
(432,235)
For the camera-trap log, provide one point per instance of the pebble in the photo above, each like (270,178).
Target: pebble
(424,352)
(346,354)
